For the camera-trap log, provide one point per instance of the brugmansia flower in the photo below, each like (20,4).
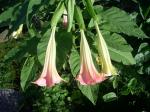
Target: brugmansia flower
(88,74)
(50,76)
(65,19)
(15,34)
(105,60)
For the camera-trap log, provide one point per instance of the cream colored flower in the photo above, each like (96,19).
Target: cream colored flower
(105,60)
(17,33)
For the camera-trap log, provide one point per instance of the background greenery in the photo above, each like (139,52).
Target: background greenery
(125,25)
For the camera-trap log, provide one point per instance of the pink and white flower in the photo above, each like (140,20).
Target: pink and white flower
(50,76)
(88,74)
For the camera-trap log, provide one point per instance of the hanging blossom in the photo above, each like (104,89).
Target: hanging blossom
(88,74)
(50,76)
(105,60)
(15,34)
(65,18)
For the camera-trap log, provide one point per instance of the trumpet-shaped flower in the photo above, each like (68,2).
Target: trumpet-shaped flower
(50,76)
(105,60)
(88,74)
(15,34)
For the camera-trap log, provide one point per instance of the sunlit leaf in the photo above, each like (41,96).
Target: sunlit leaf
(28,72)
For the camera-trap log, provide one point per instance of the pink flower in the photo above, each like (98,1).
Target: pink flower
(50,76)
(88,74)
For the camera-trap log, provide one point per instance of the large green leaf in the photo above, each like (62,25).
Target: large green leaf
(117,41)
(91,92)
(28,72)
(74,62)
(120,50)
(117,20)
(9,15)
(119,56)
(64,45)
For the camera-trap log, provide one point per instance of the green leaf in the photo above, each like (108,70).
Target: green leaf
(117,41)
(143,54)
(91,92)
(64,45)
(74,62)
(9,15)
(109,97)
(132,83)
(148,21)
(115,81)
(120,50)
(116,20)
(28,72)
(119,56)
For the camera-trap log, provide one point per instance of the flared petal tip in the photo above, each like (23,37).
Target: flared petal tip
(40,82)
(96,80)
(43,82)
